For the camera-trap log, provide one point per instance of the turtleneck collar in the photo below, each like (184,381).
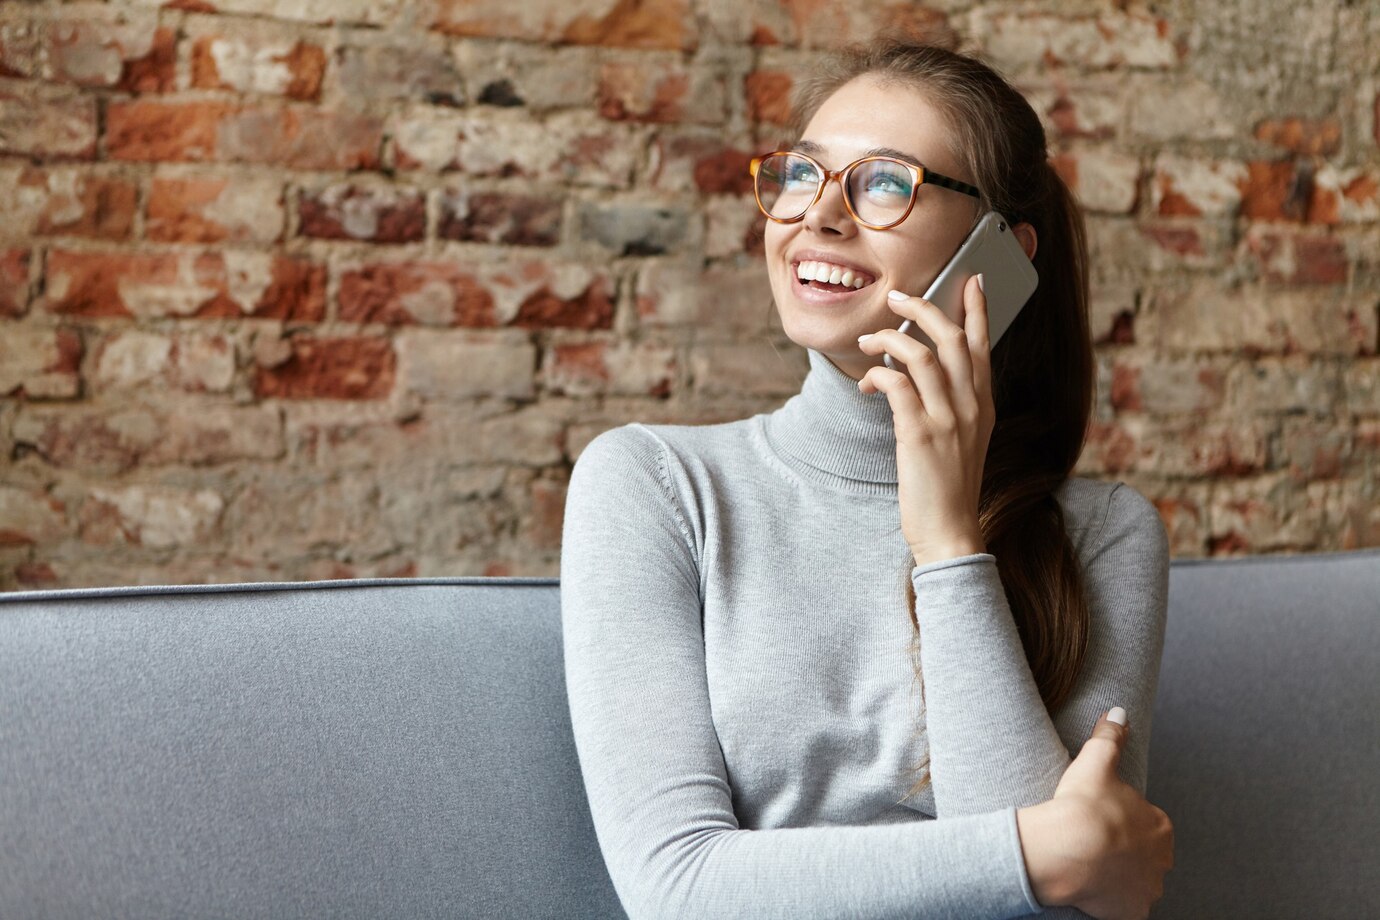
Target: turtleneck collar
(833,434)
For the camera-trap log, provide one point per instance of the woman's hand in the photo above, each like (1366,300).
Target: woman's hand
(943,415)
(1098,845)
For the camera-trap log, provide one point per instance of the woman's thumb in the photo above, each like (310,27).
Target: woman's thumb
(1112,730)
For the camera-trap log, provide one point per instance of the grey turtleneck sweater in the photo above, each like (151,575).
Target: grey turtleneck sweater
(745,708)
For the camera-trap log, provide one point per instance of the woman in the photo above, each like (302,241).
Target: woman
(761,730)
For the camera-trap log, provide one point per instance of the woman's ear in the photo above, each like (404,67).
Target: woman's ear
(1026,234)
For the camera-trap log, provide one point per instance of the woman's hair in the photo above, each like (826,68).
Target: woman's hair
(1042,368)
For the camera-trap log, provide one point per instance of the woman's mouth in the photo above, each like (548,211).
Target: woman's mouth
(823,281)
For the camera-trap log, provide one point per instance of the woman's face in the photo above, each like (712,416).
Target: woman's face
(861,115)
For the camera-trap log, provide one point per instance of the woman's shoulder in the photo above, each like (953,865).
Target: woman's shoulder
(1096,511)
(682,445)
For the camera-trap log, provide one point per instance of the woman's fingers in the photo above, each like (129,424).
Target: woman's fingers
(952,343)
(923,376)
(979,342)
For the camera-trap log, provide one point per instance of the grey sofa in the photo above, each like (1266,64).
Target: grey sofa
(402,748)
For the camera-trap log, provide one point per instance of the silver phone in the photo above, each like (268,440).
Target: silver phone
(1008,279)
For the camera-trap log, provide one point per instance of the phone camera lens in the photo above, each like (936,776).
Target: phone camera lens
(1001,226)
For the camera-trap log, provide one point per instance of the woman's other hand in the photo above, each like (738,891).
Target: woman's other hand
(943,414)
(1098,845)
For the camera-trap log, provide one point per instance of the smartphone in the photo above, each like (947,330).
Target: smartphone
(1008,279)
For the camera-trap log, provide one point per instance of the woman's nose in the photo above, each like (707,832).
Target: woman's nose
(830,213)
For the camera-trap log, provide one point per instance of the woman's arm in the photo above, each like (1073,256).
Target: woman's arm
(992,742)
(650,757)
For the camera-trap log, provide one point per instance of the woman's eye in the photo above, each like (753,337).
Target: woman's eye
(888,185)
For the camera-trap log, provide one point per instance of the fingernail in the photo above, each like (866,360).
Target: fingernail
(980,287)
(1117,715)
(896,295)
(867,335)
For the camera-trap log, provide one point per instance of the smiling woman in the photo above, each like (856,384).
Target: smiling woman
(761,730)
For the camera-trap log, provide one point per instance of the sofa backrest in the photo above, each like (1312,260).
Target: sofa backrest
(402,748)
(1265,743)
(341,749)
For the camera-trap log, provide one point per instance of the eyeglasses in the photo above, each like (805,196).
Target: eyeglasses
(878,191)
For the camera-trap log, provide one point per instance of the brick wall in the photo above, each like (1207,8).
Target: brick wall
(308,289)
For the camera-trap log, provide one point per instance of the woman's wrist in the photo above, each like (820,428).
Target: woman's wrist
(1044,831)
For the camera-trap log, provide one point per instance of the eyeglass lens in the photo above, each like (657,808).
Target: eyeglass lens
(878,190)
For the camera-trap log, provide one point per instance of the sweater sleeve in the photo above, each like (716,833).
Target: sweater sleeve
(649,755)
(992,742)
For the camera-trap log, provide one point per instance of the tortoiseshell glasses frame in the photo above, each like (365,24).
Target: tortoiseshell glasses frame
(920,176)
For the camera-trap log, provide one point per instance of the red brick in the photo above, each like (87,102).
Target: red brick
(214,209)
(1346,195)
(628,23)
(625,93)
(345,368)
(262,285)
(545,305)
(435,293)
(219,131)
(1183,187)
(304,139)
(768,96)
(588,368)
(546,507)
(229,284)
(699,162)
(1181,240)
(1297,258)
(660,89)
(155,72)
(1125,393)
(89,284)
(144,130)
(1275,191)
(1102,180)
(21,49)
(94,206)
(499,217)
(14,281)
(405,72)
(103,439)
(1112,40)
(158,517)
(351,212)
(294,71)
(1307,136)
(1311,449)
(132,360)
(39,363)
(687,295)
(1080,111)
(125,51)
(821,25)
(30,517)
(48,122)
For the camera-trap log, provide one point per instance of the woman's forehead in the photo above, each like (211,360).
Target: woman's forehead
(866,114)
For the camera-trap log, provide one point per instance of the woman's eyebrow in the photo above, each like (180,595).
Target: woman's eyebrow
(818,149)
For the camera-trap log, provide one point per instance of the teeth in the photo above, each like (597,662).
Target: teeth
(830,274)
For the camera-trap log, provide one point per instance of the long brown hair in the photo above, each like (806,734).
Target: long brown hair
(1042,369)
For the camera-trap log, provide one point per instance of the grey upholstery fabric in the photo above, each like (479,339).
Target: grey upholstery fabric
(1265,748)
(402,748)
(330,750)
